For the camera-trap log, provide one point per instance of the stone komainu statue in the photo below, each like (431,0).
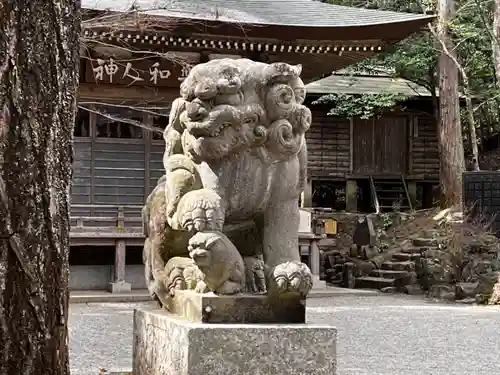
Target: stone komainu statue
(225,215)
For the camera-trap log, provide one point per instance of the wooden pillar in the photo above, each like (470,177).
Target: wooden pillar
(118,283)
(306,196)
(93,135)
(147,136)
(351,196)
(120,254)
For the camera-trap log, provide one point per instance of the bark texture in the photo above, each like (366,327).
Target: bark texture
(38,80)
(495,43)
(451,148)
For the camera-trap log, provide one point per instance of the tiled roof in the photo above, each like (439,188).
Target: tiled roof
(304,13)
(350,84)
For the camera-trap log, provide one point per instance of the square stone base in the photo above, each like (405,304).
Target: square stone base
(167,345)
(120,287)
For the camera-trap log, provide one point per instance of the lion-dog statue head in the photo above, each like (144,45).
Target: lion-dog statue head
(235,105)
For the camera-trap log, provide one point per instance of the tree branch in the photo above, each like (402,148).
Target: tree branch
(123,120)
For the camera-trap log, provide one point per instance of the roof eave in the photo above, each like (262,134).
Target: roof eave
(391,31)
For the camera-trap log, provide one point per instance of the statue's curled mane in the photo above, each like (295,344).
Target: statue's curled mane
(236,105)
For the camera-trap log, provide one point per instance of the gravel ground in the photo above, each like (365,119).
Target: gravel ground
(384,335)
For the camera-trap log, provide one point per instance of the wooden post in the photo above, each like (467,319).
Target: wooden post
(351,145)
(351,196)
(120,253)
(118,284)
(412,126)
(120,220)
(93,135)
(147,136)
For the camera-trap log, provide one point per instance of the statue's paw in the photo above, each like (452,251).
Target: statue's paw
(229,288)
(201,287)
(291,277)
(200,210)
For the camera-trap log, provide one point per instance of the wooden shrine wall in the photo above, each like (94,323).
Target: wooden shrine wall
(328,146)
(114,164)
(396,143)
(424,151)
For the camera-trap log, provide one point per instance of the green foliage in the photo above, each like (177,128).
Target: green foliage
(416,58)
(386,220)
(363,106)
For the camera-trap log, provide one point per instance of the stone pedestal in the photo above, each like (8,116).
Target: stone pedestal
(242,308)
(165,344)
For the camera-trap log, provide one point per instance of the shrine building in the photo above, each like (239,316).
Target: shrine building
(134,56)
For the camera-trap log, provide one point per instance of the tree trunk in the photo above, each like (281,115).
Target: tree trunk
(39,63)
(495,47)
(495,43)
(451,146)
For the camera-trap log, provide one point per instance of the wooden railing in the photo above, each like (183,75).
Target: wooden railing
(374,196)
(118,222)
(120,231)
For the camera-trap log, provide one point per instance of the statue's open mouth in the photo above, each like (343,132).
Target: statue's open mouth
(207,128)
(219,119)
(201,257)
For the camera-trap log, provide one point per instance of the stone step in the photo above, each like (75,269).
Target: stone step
(419,242)
(414,250)
(405,257)
(419,249)
(399,266)
(336,282)
(389,274)
(401,278)
(425,248)
(432,233)
(372,282)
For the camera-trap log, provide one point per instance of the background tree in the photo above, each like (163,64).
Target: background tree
(39,60)
(451,154)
